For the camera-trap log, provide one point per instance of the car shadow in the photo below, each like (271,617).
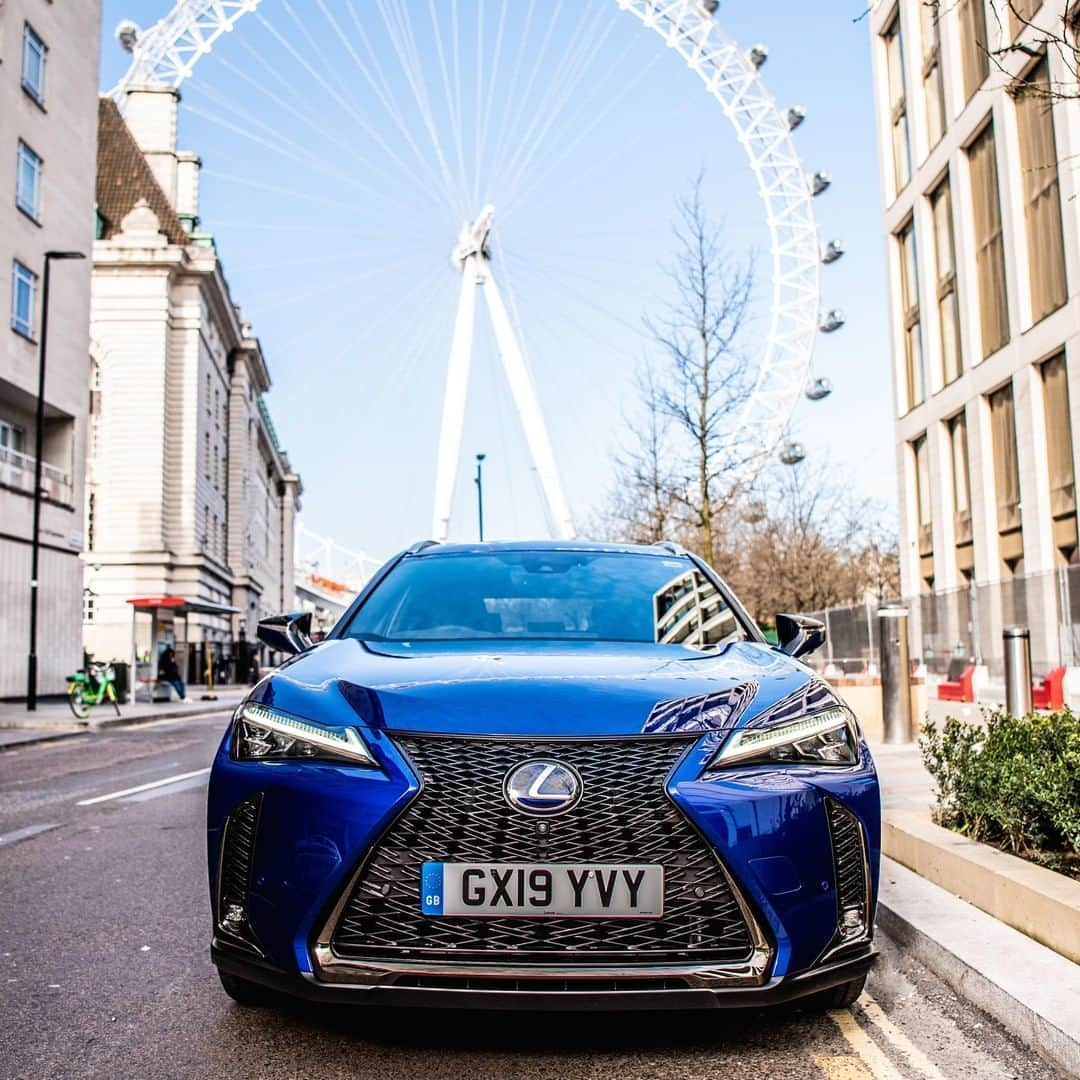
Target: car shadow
(545,1032)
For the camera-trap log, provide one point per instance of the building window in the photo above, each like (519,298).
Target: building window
(1006,474)
(1021,12)
(28,181)
(914,377)
(975,59)
(933,79)
(206,455)
(1059,454)
(1042,195)
(23,294)
(945,264)
(989,242)
(961,482)
(33,64)
(923,503)
(12,438)
(894,62)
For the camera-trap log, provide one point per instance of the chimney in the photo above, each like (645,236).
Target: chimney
(187,188)
(150,114)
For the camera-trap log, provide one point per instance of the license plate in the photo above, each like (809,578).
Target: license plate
(540,890)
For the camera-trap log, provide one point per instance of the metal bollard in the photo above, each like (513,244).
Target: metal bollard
(895,674)
(1017,670)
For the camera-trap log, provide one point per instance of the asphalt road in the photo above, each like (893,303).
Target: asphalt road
(104,929)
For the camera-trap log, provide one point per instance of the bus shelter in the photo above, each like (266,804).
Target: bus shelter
(162,609)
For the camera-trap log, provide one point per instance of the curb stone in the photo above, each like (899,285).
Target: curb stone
(1026,987)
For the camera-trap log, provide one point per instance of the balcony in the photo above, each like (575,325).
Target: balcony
(17,473)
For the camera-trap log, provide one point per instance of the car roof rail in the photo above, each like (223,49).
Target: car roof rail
(421,545)
(670,546)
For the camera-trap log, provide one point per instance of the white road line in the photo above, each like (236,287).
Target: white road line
(142,787)
(864,1046)
(171,789)
(25,834)
(916,1058)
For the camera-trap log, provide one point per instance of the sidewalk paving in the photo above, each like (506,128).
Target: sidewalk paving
(905,783)
(54,719)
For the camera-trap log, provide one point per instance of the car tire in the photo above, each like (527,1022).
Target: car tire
(837,997)
(245,992)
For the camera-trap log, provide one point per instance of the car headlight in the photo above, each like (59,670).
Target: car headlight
(826,738)
(261,733)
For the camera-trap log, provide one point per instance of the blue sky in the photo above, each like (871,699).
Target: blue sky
(332,217)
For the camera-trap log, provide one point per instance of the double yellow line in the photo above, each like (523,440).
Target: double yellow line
(869,1059)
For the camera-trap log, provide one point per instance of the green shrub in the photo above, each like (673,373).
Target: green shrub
(1009,781)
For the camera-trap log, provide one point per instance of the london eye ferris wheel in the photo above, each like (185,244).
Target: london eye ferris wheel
(455,160)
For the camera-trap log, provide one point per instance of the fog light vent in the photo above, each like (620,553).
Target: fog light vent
(234,874)
(851,875)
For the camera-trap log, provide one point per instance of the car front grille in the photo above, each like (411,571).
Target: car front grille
(624,816)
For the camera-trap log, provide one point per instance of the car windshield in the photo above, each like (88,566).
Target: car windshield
(548,595)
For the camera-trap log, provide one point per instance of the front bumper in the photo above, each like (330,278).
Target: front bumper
(313,828)
(679,987)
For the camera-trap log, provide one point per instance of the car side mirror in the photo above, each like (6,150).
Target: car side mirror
(799,635)
(286,633)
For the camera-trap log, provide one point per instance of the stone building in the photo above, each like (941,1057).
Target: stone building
(981,212)
(48,129)
(189,494)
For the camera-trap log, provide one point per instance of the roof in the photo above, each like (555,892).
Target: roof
(544,545)
(124,177)
(182,606)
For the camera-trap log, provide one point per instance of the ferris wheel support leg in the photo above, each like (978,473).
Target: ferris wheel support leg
(457,382)
(528,407)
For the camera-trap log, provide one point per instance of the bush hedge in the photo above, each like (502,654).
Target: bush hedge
(1011,781)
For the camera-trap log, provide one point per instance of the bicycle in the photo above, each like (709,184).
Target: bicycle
(87,689)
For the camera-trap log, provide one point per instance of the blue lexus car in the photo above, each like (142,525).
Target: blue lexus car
(545,775)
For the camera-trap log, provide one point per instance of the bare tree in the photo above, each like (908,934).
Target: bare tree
(642,509)
(704,380)
(1028,29)
(810,544)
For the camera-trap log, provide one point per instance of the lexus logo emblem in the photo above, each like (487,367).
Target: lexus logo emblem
(542,787)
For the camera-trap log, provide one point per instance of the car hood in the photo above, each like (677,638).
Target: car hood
(536,688)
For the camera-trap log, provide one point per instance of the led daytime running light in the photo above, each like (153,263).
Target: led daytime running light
(345,742)
(750,742)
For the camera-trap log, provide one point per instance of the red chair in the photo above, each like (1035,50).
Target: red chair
(1050,693)
(961,690)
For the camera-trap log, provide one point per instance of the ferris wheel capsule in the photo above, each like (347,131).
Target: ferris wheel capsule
(820,182)
(710,6)
(127,34)
(819,389)
(758,54)
(831,321)
(833,251)
(795,116)
(793,453)
(754,512)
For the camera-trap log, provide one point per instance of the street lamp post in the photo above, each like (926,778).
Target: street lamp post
(39,439)
(480,493)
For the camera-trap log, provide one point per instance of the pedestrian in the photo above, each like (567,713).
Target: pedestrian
(168,672)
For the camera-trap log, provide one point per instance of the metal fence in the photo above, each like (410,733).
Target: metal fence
(956,627)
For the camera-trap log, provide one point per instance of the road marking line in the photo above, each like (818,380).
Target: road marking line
(842,1067)
(916,1058)
(880,1066)
(169,789)
(25,834)
(142,787)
